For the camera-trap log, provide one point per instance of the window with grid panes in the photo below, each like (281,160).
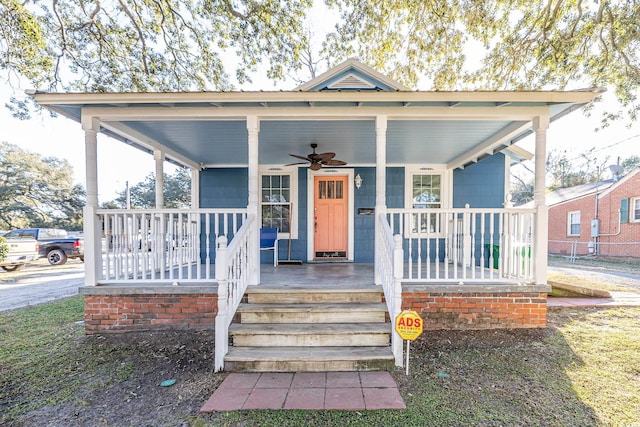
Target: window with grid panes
(426,194)
(276,202)
(635,210)
(573,223)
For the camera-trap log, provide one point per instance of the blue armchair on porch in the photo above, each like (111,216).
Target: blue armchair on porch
(269,241)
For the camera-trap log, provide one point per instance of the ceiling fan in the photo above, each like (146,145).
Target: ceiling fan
(317,160)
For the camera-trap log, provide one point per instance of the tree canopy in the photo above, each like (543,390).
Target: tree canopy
(38,191)
(158,45)
(179,45)
(177,192)
(520,44)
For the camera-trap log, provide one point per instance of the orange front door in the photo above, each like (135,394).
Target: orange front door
(330,217)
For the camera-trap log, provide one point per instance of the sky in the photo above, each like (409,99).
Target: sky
(119,163)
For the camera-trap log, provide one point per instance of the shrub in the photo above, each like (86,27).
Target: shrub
(4,248)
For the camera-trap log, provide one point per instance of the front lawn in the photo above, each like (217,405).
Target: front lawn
(584,369)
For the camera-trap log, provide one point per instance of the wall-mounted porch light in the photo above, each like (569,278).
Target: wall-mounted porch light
(358,181)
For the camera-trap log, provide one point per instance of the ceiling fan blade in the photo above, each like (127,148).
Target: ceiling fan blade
(315,166)
(299,163)
(335,163)
(325,157)
(300,157)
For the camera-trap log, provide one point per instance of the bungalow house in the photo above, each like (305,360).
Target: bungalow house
(384,198)
(596,219)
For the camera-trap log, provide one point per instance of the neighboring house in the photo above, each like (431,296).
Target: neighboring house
(600,219)
(352,168)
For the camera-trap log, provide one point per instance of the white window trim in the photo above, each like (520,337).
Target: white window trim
(446,190)
(632,209)
(446,182)
(569,214)
(293,179)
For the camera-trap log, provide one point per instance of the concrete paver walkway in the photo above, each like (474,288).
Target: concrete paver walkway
(306,390)
(617,299)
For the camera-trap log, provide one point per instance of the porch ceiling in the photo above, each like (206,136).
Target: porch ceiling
(219,143)
(210,129)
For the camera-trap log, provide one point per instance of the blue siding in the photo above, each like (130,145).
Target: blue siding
(481,185)
(395,188)
(224,188)
(365,197)
(299,245)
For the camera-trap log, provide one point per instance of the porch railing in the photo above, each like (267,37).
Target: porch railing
(466,244)
(162,245)
(234,264)
(389,270)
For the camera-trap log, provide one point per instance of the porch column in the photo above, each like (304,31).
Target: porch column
(381,183)
(540,126)
(159,158)
(253,128)
(195,189)
(91,225)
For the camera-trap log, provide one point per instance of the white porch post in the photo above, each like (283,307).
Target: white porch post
(159,158)
(195,189)
(253,128)
(92,229)
(540,126)
(381,180)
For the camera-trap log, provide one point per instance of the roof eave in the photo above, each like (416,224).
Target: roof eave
(578,98)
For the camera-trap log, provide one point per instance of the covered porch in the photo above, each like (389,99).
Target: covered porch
(412,185)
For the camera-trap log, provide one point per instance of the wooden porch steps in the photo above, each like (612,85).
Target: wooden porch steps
(325,329)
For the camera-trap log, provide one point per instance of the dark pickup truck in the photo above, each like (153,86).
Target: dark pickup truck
(55,244)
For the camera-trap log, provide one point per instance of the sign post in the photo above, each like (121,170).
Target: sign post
(409,327)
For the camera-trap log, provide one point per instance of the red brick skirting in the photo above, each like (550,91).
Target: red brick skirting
(130,311)
(505,309)
(122,309)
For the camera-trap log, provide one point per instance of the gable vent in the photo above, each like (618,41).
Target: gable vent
(351,81)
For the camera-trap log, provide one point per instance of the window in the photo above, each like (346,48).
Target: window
(426,189)
(635,210)
(277,197)
(573,223)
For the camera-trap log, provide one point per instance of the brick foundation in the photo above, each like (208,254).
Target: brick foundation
(118,309)
(130,311)
(504,309)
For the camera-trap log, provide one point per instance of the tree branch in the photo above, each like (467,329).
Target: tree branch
(140,35)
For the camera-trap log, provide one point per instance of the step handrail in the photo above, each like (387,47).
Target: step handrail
(390,267)
(232,263)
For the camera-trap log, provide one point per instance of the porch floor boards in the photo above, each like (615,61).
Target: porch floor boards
(339,275)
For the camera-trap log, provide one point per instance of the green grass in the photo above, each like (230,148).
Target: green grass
(41,363)
(583,370)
